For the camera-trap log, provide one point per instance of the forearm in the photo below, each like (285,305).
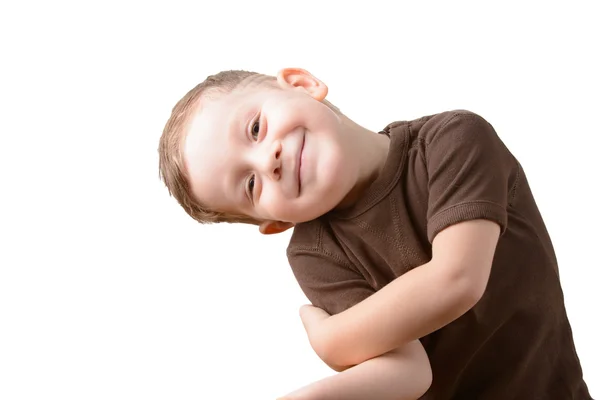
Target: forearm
(402,373)
(412,306)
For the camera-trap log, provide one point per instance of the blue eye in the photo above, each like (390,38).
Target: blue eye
(255,130)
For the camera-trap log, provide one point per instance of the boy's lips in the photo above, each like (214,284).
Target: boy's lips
(299,163)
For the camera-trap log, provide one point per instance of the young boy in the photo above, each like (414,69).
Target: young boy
(421,248)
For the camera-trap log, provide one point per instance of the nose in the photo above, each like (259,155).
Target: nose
(271,161)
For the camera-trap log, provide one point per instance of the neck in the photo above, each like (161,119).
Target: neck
(370,150)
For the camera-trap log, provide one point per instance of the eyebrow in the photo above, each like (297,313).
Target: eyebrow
(237,116)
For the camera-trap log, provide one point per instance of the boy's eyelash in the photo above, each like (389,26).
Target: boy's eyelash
(250,187)
(254,134)
(251,182)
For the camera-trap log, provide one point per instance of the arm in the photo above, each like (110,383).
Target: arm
(415,304)
(401,374)
(471,181)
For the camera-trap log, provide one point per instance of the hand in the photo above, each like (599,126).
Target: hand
(315,323)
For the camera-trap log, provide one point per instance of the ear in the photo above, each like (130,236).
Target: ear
(299,78)
(271,227)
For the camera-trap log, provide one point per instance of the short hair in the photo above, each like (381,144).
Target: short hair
(172,168)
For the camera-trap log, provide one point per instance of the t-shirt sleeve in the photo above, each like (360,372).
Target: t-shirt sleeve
(469,171)
(328,283)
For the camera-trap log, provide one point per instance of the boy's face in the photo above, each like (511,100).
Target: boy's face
(276,154)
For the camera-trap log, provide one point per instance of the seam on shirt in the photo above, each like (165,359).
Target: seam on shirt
(513,189)
(320,237)
(387,238)
(414,144)
(422,154)
(405,251)
(324,252)
(434,224)
(445,210)
(319,250)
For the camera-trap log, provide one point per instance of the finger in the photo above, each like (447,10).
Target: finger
(304,308)
(312,315)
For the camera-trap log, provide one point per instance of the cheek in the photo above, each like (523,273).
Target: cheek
(333,168)
(336,177)
(282,117)
(272,204)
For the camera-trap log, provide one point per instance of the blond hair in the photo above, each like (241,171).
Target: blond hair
(171,164)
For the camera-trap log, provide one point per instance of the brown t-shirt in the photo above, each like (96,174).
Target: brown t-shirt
(516,343)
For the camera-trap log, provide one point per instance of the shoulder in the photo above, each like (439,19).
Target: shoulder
(427,128)
(455,122)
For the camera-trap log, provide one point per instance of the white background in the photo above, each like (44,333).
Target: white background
(109,291)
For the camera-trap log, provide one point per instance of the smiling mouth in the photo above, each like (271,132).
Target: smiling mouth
(299,163)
